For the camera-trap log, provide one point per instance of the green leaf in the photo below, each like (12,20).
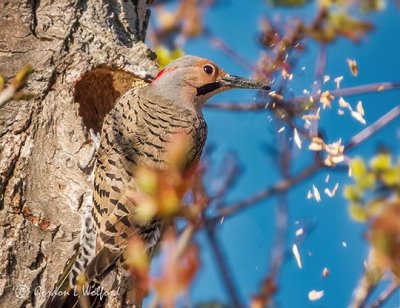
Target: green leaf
(165,56)
(2,83)
(349,26)
(381,162)
(367,181)
(358,168)
(357,212)
(367,6)
(352,193)
(330,3)
(177,53)
(391,177)
(211,304)
(147,180)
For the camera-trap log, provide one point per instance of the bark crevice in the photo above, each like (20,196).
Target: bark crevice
(34,5)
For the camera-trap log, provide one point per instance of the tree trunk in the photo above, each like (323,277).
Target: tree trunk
(85,54)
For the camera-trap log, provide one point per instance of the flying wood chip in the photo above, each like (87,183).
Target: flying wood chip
(317,196)
(343,103)
(299,231)
(296,254)
(314,295)
(296,138)
(360,108)
(332,193)
(338,80)
(317,144)
(326,98)
(353,67)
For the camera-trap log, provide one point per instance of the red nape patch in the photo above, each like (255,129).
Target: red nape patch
(165,70)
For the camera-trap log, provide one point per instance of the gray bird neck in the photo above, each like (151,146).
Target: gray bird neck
(183,97)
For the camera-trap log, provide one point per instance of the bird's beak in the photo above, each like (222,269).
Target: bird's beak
(232,81)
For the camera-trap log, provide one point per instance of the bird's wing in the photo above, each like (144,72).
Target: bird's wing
(116,230)
(113,171)
(126,135)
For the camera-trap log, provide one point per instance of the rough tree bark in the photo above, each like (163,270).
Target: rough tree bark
(85,54)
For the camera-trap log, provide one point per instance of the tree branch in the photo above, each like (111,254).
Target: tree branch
(373,128)
(279,187)
(269,283)
(319,72)
(385,295)
(229,51)
(363,89)
(309,171)
(225,272)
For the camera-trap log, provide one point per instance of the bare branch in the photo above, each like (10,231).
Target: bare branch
(319,72)
(231,106)
(225,272)
(231,172)
(373,128)
(385,295)
(308,172)
(320,68)
(351,91)
(269,283)
(367,283)
(279,187)
(363,89)
(225,48)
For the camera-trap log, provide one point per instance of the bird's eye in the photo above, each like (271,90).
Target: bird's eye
(208,69)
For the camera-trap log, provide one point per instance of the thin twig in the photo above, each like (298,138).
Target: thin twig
(319,72)
(282,210)
(269,283)
(368,88)
(279,187)
(367,283)
(320,68)
(280,238)
(385,295)
(231,106)
(225,48)
(229,179)
(182,244)
(363,89)
(225,272)
(373,128)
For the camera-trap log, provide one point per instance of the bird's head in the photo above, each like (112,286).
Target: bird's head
(192,80)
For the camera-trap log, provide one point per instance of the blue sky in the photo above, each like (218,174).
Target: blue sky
(247,237)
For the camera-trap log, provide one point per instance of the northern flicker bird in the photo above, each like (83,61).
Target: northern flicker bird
(135,133)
